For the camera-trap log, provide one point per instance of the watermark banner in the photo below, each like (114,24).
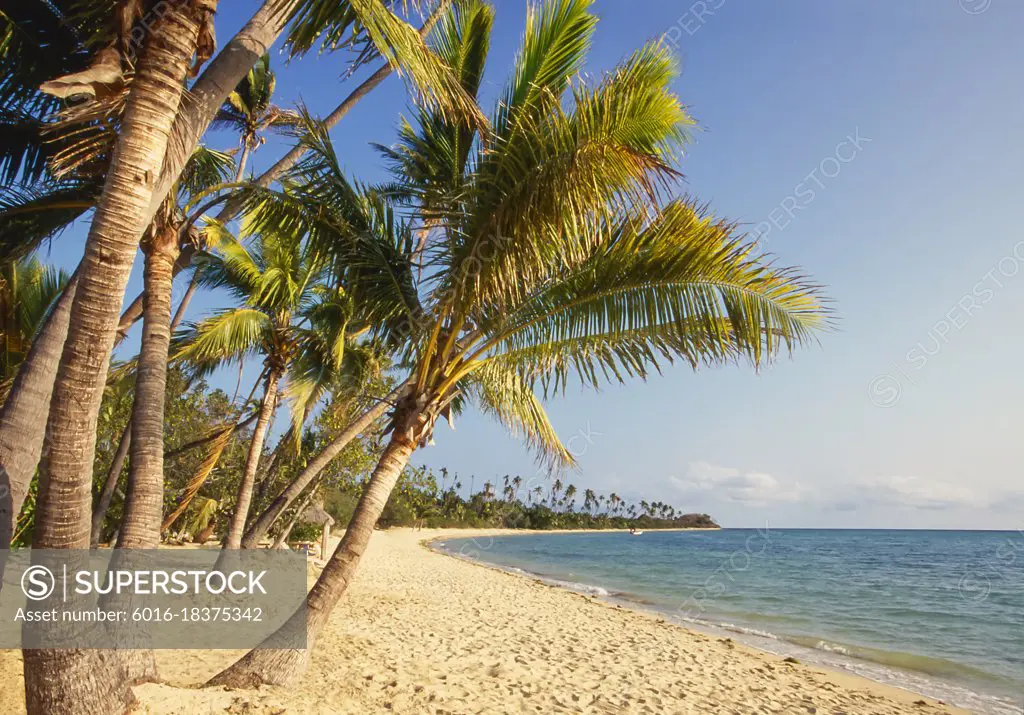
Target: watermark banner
(159,598)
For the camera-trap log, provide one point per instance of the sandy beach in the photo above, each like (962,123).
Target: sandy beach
(423,632)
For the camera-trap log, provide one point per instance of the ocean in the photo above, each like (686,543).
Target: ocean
(936,612)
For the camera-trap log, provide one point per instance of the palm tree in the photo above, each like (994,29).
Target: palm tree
(250,111)
(588,500)
(28,290)
(144,496)
(367,245)
(53,681)
(614,501)
(205,168)
(286,315)
(556,489)
(570,497)
(550,259)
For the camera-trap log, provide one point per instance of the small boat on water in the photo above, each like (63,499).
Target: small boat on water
(633,532)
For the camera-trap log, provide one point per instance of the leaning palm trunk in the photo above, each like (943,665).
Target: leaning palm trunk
(23,418)
(282,539)
(283,500)
(99,512)
(277,665)
(88,681)
(245,489)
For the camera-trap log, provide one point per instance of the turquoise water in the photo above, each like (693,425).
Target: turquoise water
(937,612)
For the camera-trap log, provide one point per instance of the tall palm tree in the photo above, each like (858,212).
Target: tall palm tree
(556,489)
(53,679)
(205,168)
(588,500)
(553,256)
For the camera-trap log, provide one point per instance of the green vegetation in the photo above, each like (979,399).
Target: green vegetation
(419,500)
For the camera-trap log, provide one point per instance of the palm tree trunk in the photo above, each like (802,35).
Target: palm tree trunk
(179,314)
(99,513)
(273,466)
(144,500)
(90,682)
(283,500)
(23,417)
(273,661)
(237,527)
(282,539)
(243,159)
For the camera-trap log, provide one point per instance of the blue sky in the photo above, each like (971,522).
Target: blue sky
(877,146)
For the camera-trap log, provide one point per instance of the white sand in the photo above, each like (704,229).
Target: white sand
(421,632)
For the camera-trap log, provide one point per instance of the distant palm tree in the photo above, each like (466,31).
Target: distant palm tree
(556,489)
(570,497)
(250,112)
(589,500)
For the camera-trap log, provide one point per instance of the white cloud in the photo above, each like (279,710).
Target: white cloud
(917,493)
(735,485)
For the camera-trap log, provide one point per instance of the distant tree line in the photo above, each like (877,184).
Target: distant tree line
(435,500)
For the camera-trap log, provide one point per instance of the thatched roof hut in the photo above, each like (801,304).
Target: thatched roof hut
(316,514)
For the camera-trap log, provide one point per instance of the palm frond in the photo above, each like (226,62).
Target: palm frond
(226,336)
(558,36)
(536,201)
(205,169)
(31,215)
(679,285)
(334,24)
(502,392)
(430,160)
